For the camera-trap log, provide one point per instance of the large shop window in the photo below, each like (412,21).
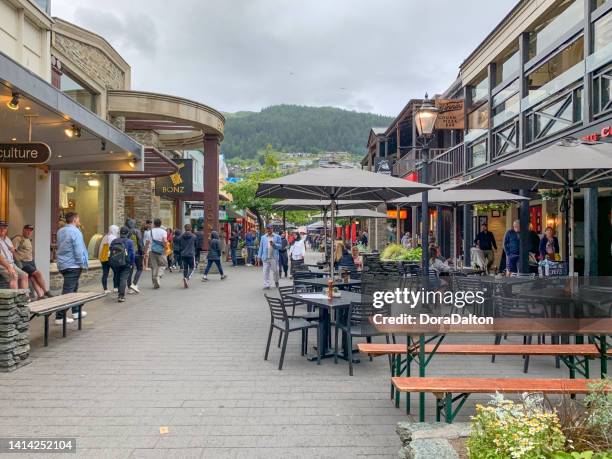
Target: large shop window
(85,193)
(479,90)
(563,17)
(75,90)
(478,122)
(558,72)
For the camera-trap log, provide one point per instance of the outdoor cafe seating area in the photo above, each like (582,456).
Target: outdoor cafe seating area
(548,315)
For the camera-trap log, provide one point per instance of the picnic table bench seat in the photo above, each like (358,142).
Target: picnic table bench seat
(48,306)
(582,350)
(449,390)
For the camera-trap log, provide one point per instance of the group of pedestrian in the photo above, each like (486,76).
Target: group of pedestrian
(545,248)
(275,251)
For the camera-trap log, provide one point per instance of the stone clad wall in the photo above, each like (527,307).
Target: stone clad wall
(14,330)
(91,61)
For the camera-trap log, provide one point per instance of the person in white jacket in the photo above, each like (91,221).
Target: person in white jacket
(297,252)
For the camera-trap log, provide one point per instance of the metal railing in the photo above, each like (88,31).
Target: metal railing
(410,161)
(446,164)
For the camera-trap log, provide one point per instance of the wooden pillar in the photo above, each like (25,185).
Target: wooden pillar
(590,231)
(467,234)
(524,234)
(211,187)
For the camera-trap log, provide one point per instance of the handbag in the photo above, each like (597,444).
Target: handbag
(157,247)
(104,252)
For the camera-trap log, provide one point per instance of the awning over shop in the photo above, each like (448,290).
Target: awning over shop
(156,164)
(78,138)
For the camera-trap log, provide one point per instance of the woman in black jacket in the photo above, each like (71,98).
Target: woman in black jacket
(214,255)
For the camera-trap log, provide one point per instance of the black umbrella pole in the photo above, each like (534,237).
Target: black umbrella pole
(425,214)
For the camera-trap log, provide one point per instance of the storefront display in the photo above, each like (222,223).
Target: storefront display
(84,193)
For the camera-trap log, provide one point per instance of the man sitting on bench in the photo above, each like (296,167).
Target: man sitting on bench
(24,256)
(13,275)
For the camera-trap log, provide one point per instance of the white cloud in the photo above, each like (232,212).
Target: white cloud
(248,54)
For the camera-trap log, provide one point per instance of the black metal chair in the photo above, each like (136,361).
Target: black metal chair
(297,275)
(280,320)
(357,325)
(292,303)
(517,308)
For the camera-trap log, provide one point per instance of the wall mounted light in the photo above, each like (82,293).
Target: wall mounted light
(132,163)
(72,131)
(13,104)
(94,183)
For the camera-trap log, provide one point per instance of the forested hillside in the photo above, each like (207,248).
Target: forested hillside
(293,128)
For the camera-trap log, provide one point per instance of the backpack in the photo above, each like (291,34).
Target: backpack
(134,238)
(118,255)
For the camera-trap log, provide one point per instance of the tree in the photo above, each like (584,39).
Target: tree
(243,192)
(299,217)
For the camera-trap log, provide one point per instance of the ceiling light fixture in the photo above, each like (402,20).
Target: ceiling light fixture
(13,104)
(94,183)
(14,139)
(72,131)
(27,108)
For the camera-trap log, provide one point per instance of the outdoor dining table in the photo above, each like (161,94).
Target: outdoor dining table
(325,307)
(420,335)
(322,283)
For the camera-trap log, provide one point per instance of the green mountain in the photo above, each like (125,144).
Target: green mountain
(294,128)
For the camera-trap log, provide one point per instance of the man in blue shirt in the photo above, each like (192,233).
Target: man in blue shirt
(512,247)
(71,261)
(269,245)
(249,240)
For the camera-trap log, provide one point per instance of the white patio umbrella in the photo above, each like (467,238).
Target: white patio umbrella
(567,164)
(356,213)
(452,198)
(322,205)
(337,184)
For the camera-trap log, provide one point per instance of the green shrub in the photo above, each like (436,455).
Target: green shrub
(504,429)
(393,252)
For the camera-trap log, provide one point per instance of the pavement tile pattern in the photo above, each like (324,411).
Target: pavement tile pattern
(179,373)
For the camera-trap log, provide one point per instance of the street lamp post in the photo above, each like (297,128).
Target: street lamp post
(425,119)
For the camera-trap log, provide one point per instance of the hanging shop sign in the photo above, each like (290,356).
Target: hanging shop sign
(24,153)
(382,166)
(605,133)
(393,214)
(178,184)
(451,114)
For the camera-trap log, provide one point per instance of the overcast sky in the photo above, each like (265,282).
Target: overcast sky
(366,55)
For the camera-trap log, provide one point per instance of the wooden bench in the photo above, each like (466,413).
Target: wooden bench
(444,388)
(567,352)
(48,306)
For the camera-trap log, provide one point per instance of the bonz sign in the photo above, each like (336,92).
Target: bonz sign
(24,153)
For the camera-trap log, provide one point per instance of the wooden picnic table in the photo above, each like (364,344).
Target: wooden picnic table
(325,307)
(419,335)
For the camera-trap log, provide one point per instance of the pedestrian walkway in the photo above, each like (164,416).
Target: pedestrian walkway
(189,362)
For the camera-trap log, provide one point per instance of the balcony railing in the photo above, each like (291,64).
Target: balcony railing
(410,160)
(446,164)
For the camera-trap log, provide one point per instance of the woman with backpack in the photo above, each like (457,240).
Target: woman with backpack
(214,255)
(113,233)
(121,259)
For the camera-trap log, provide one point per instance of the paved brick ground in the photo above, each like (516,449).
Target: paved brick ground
(192,361)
